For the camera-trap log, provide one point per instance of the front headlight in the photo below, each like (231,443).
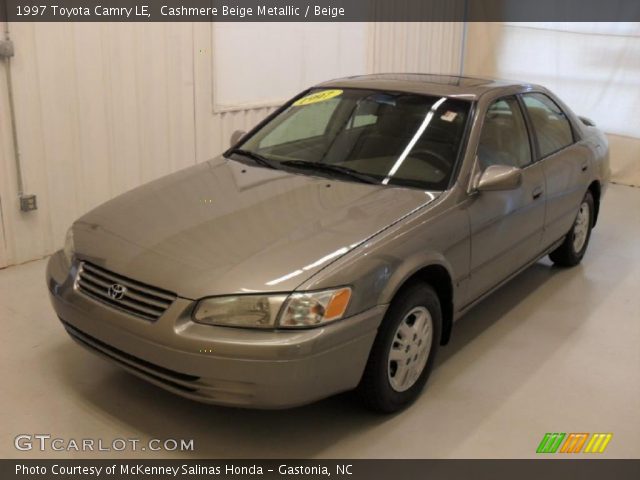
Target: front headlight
(273,311)
(68,245)
(256,311)
(314,308)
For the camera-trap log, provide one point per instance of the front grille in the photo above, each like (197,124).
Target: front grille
(122,293)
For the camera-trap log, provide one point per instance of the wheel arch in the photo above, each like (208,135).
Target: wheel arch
(439,278)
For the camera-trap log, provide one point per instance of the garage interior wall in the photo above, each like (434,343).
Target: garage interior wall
(593,67)
(104,107)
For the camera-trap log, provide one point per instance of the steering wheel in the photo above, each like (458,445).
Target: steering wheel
(437,161)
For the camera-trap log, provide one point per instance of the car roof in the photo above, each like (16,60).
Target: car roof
(427,84)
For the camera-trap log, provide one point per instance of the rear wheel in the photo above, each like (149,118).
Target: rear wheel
(404,350)
(574,246)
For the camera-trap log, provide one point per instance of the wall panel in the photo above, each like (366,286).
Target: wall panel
(101,108)
(434,47)
(266,63)
(23,234)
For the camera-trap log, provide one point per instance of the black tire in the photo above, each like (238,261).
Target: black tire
(566,254)
(375,388)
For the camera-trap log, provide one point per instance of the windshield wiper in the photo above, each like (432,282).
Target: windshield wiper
(256,157)
(331,168)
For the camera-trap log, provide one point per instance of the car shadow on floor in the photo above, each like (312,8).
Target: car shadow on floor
(307,431)
(493,308)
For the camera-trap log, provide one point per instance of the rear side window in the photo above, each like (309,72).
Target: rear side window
(504,139)
(550,123)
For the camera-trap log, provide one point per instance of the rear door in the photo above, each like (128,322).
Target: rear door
(506,226)
(565,164)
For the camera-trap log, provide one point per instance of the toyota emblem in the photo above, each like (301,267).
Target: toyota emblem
(117,291)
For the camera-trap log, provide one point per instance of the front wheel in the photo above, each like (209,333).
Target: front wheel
(574,246)
(404,350)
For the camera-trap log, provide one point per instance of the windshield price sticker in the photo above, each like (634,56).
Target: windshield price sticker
(317,97)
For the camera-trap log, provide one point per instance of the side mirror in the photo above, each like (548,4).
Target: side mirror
(237,136)
(499,177)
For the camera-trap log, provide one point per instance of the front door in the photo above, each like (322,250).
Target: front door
(506,226)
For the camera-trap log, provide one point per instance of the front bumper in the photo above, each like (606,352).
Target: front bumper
(219,365)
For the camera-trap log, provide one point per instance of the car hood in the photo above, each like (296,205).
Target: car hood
(225,227)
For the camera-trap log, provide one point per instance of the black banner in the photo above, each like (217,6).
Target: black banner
(320,10)
(535,469)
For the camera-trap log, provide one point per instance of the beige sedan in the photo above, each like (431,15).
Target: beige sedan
(334,246)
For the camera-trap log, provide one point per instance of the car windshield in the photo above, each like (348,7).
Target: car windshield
(387,138)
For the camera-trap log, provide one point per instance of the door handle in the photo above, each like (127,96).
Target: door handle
(537,192)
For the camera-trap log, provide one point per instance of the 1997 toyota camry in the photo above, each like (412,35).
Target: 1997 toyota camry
(334,245)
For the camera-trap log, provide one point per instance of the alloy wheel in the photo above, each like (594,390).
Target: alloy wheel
(410,349)
(581,227)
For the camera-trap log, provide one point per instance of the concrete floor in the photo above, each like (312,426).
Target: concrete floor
(553,351)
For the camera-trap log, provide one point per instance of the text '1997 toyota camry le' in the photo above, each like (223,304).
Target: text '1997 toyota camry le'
(333,246)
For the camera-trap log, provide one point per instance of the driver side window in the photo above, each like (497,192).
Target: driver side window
(504,139)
